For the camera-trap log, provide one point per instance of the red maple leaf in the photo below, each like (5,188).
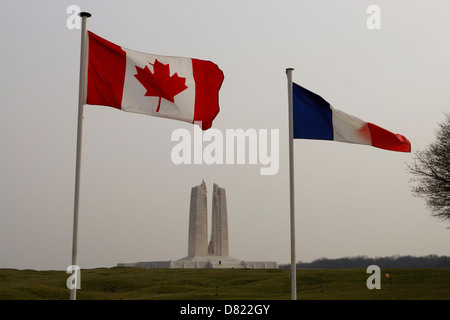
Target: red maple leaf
(160,83)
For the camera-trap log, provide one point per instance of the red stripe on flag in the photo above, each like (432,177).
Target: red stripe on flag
(208,80)
(381,138)
(106,72)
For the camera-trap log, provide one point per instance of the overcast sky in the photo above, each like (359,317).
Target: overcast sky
(134,202)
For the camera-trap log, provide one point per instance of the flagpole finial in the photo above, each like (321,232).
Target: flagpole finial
(289,69)
(85,14)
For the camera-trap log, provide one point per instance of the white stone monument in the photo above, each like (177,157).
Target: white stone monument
(198,222)
(218,245)
(200,253)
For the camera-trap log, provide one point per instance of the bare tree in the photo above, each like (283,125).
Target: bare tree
(431,171)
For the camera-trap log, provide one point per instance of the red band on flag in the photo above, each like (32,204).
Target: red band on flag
(381,138)
(106,72)
(208,80)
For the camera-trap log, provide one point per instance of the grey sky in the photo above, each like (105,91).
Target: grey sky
(134,206)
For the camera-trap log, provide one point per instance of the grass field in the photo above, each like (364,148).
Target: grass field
(225,284)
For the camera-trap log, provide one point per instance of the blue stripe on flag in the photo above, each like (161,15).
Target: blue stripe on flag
(312,115)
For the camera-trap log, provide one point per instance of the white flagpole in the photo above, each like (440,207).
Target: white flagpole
(84,16)
(291,184)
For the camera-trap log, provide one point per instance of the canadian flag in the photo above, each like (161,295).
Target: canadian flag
(170,87)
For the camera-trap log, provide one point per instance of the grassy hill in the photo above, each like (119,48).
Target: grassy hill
(225,284)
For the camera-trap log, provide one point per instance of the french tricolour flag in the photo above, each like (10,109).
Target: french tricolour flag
(170,87)
(315,118)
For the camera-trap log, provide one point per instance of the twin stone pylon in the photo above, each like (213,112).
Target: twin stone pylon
(198,223)
(200,253)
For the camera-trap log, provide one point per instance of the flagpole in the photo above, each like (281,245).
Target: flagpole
(291,185)
(84,16)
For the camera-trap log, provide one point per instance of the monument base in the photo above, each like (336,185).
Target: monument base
(203,262)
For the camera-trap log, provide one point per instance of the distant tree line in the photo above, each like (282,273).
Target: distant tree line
(430,261)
